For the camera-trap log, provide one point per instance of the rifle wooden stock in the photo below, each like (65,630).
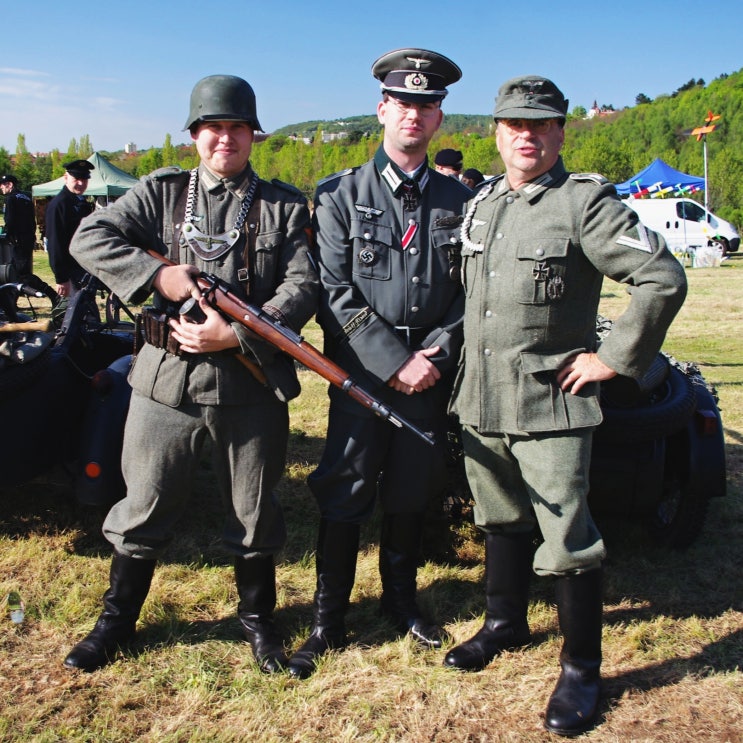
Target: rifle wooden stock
(219,295)
(44,326)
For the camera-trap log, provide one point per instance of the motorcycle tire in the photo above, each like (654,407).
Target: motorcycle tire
(679,515)
(670,407)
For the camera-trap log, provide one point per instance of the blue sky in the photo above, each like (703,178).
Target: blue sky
(123,72)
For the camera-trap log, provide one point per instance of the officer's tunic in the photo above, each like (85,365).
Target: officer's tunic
(533,265)
(63,215)
(390,285)
(178,400)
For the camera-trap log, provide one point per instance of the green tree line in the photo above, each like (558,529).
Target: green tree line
(616,145)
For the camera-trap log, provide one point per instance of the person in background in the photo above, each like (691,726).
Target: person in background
(63,216)
(449,162)
(189,380)
(472,178)
(20,227)
(536,245)
(391,308)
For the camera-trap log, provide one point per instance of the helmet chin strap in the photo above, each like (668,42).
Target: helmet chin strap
(211,247)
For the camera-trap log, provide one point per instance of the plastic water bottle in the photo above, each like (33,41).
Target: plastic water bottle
(16,607)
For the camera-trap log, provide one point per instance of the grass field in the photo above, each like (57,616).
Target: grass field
(673,633)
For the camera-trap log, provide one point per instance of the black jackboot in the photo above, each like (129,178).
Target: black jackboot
(122,602)
(399,547)
(573,705)
(508,559)
(337,550)
(256,587)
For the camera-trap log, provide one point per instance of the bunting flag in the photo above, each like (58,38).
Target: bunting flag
(643,192)
(662,193)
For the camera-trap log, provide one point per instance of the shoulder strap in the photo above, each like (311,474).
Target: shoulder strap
(252,225)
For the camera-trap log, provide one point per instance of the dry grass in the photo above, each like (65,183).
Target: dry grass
(673,635)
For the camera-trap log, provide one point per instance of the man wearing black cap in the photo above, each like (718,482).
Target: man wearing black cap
(188,382)
(20,227)
(536,245)
(391,310)
(449,162)
(472,178)
(63,216)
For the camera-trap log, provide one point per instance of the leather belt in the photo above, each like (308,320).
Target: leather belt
(412,336)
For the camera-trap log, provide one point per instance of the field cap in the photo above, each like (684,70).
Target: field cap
(530,97)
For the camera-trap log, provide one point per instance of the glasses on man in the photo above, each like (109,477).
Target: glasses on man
(537,126)
(426,109)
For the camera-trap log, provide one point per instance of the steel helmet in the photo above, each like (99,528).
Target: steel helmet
(222,98)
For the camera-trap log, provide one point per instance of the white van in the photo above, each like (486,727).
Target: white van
(685,224)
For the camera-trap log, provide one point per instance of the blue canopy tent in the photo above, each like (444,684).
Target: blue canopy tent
(659,176)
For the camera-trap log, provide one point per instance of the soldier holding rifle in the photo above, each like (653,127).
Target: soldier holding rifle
(188,382)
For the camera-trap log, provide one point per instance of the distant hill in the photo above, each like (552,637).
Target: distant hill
(359,126)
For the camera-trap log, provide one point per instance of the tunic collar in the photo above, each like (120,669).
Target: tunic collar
(394,177)
(237,185)
(533,188)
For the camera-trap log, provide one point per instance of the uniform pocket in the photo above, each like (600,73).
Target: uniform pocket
(267,247)
(543,406)
(371,244)
(159,375)
(540,270)
(447,254)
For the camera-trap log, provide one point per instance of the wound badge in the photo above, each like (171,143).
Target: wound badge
(367,256)
(555,288)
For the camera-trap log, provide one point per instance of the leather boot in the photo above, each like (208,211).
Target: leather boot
(508,559)
(399,547)
(573,705)
(122,602)
(337,550)
(256,587)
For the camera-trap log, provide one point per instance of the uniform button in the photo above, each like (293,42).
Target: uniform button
(509,199)
(488,313)
(415,279)
(487,352)
(498,235)
(540,252)
(367,236)
(414,308)
(453,239)
(492,274)
(413,251)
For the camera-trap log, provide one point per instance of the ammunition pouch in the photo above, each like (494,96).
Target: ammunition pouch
(152,327)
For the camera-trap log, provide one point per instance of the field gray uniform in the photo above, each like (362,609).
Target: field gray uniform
(380,302)
(533,266)
(179,400)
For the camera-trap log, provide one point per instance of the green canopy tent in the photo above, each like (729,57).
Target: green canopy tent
(105,180)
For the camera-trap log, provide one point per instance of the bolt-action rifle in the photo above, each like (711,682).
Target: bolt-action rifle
(219,294)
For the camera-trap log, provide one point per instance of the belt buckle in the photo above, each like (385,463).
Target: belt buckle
(406,328)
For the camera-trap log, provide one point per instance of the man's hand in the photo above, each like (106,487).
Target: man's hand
(65,289)
(214,334)
(580,369)
(177,283)
(417,373)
